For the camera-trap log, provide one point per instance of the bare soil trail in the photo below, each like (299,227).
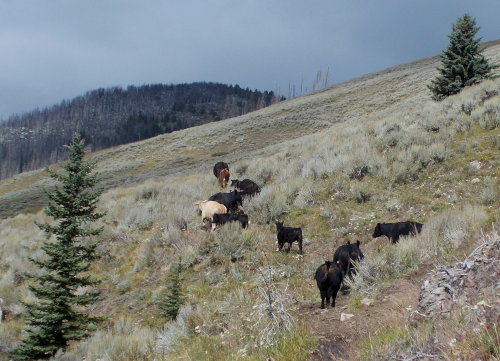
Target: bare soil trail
(391,306)
(338,340)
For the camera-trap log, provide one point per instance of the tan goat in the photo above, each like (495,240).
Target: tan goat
(209,208)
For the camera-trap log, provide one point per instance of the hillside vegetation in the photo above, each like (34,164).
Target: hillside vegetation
(113,116)
(336,162)
(377,95)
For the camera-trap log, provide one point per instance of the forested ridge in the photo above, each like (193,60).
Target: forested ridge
(113,116)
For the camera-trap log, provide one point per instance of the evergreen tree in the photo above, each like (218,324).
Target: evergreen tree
(463,63)
(58,316)
(173,298)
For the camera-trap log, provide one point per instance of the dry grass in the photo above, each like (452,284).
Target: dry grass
(335,163)
(469,332)
(124,341)
(399,90)
(442,238)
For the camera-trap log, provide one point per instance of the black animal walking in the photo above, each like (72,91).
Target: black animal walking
(329,277)
(346,254)
(247,186)
(394,230)
(288,235)
(221,219)
(231,200)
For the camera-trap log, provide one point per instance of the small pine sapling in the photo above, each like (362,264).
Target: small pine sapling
(173,298)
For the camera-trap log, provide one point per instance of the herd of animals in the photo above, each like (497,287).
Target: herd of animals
(223,208)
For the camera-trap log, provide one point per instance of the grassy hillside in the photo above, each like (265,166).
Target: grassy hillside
(336,162)
(114,116)
(246,137)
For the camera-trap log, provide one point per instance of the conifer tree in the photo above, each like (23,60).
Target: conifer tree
(61,288)
(462,63)
(173,298)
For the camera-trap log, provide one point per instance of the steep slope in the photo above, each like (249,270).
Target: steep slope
(334,163)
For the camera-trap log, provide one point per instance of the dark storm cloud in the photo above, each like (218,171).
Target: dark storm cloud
(54,50)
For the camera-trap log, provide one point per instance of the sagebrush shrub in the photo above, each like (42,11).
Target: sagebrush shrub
(173,332)
(361,193)
(488,115)
(124,341)
(489,194)
(305,196)
(269,205)
(441,235)
(232,242)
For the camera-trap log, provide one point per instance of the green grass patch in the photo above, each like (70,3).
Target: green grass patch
(199,289)
(311,221)
(382,342)
(295,345)
(486,343)
(204,347)
(416,198)
(354,302)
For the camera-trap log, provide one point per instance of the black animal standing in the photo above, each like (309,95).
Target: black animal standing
(247,186)
(346,254)
(221,219)
(231,200)
(329,277)
(394,230)
(288,235)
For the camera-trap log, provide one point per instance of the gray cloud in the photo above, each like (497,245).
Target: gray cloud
(54,50)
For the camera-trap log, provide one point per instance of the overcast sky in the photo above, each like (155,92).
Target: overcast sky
(52,50)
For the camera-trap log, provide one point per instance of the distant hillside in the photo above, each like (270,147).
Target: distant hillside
(114,116)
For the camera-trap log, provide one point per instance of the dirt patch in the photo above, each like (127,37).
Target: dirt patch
(331,349)
(339,340)
(395,304)
(392,305)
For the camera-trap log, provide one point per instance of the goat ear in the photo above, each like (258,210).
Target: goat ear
(348,242)
(358,243)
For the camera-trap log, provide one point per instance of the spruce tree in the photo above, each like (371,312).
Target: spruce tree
(173,298)
(61,288)
(462,63)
